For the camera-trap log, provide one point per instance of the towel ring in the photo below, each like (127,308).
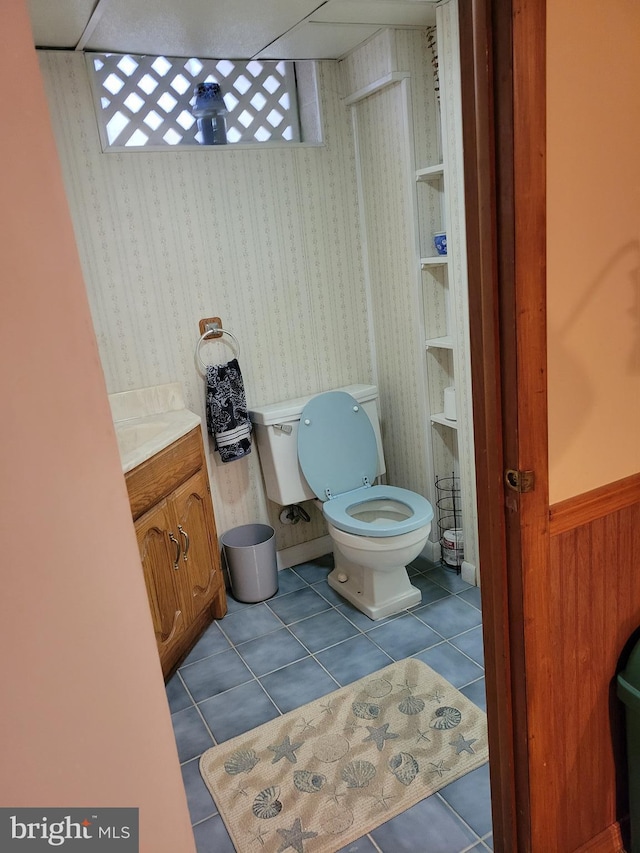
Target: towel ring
(209,335)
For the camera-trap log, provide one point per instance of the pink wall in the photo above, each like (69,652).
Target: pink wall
(593,92)
(84,715)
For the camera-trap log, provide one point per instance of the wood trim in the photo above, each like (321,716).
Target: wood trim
(583,509)
(508,775)
(608,841)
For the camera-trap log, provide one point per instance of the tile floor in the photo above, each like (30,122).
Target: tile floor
(264,659)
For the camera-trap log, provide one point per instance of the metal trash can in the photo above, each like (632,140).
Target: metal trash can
(629,692)
(250,552)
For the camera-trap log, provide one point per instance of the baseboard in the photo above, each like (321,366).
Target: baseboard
(431,551)
(303,552)
(468,573)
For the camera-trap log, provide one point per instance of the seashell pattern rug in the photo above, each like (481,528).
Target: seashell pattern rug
(327,773)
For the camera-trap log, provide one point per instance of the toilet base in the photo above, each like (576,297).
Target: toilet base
(377,594)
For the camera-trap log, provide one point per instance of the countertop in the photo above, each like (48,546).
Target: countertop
(147,420)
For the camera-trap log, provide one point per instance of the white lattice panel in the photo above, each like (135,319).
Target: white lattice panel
(145,101)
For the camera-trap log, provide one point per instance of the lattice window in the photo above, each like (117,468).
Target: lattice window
(147,101)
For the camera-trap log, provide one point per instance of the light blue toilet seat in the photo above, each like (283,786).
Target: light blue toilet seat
(337,511)
(338,456)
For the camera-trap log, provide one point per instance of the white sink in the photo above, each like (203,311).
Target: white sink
(141,438)
(132,435)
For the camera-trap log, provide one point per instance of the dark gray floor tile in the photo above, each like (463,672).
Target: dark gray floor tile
(249,624)
(353,659)
(360,619)
(199,799)
(428,826)
(327,592)
(237,711)
(476,692)
(271,652)
(470,797)
(447,578)
(430,591)
(211,642)
(233,605)
(297,684)
(361,845)
(288,581)
(192,737)
(211,835)
(471,644)
(472,596)
(323,630)
(450,616)
(298,605)
(314,571)
(404,636)
(451,664)
(177,696)
(215,674)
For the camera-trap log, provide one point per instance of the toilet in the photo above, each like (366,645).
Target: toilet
(328,447)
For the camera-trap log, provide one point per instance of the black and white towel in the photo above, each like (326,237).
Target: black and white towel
(227,418)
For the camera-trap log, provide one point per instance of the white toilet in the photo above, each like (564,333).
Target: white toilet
(328,447)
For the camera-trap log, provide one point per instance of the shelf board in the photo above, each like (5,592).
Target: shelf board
(430,173)
(445,342)
(440,419)
(434,261)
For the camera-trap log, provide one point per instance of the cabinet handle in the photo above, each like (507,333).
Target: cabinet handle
(177,544)
(186,541)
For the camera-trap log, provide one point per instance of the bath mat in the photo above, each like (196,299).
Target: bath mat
(327,773)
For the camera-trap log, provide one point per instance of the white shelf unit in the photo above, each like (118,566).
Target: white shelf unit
(439,205)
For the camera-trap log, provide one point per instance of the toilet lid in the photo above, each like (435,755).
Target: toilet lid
(337,448)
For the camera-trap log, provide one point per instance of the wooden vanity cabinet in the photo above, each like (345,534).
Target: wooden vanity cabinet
(176,531)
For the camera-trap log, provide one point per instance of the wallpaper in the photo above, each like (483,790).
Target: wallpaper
(267,239)
(309,254)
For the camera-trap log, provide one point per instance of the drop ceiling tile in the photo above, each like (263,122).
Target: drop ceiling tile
(59,24)
(233,29)
(311,40)
(414,13)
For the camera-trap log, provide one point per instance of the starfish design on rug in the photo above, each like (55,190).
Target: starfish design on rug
(422,736)
(463,745)
(286,749)
(381,799)
(439,768)
(335,796)
(327,708)
(379,734)
(240,792)
(294,837)
(260,835)
(351,726)
(304,725)
(436,696)
(406,686)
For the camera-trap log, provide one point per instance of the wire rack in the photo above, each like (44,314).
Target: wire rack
(449,515)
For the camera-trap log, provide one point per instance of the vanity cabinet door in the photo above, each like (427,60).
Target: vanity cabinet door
(199,574)
(158,553)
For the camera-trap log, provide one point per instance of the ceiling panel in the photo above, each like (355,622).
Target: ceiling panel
(416,13)
(59,23)
(318,41)
(233,29)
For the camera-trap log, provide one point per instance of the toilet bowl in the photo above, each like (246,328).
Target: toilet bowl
(376,530)
(328,447)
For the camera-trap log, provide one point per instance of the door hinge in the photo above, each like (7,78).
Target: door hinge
(520,481)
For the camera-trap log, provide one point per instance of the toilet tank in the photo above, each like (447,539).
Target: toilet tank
(276,433)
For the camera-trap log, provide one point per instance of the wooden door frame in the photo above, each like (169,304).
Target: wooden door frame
(504,127)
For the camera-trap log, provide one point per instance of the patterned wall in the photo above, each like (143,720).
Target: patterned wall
(267,238)
(270,240)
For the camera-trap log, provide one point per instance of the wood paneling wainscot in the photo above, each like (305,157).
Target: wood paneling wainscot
(595,607)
